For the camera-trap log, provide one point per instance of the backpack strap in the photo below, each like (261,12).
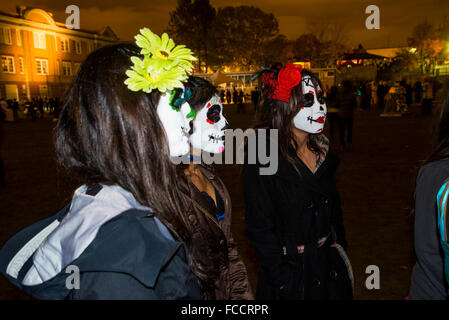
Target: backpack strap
(442,197)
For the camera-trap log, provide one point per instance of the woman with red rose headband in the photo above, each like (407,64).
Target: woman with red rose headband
(294,216)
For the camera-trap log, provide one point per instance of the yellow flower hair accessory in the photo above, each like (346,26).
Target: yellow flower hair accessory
(164,66)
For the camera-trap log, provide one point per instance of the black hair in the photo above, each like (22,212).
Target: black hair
(202,91)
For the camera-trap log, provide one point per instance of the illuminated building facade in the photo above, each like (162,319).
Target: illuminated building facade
(39,56)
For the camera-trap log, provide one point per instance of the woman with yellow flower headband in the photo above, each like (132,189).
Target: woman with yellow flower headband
(124,235)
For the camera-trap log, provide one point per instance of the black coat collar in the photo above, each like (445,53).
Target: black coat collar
(310,180)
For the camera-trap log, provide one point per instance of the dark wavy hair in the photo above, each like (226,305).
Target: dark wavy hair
(280,116)
(109,134)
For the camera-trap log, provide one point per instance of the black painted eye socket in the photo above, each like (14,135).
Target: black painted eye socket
(320,97)
(308,100)
(213,114)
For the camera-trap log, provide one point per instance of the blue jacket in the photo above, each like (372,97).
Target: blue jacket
(101,246)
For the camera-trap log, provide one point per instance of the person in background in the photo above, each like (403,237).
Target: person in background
(428,96)
(228,96)
(255,97)
(346,104)
(332,108)
(418,91)
(374,95)
(240,104)
(380,95)
(3,109)
(428,281)
(366,95)
(408,94)
(15,108)
(57,110)
(40,104)
(34,109)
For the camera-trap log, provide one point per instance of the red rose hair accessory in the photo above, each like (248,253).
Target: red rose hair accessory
(288,77)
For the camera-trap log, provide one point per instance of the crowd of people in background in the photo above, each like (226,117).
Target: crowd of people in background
(368,94)
(344,98)
(375,94)
(36,108)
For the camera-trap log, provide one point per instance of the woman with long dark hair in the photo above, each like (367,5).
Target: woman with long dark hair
(428,280)
(294,216)
(125,234)
(208,200)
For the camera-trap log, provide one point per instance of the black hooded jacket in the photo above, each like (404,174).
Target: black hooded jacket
(128,257)
(287,210)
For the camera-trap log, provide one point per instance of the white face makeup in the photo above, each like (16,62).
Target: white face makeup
(176,125)
(312,115)
(209,127)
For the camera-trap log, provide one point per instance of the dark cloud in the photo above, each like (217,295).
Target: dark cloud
(295,16)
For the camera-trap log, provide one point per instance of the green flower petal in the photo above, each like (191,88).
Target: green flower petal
(164,65)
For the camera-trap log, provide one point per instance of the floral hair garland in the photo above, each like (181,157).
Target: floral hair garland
(164,66)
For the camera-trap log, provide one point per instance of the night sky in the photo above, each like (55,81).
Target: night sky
(397,17)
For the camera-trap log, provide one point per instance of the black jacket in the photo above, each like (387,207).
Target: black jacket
(428,281)
(286,210)
(129,258)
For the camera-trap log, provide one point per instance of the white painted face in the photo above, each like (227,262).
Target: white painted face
(312,115)
(176,125)
(209,127)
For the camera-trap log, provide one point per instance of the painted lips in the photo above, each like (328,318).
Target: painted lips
(320,120)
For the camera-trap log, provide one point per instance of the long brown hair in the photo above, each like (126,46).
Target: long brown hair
(111,135)
(280,116)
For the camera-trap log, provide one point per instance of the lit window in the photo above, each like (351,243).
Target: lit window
(77,66)
(8,64)
(42,66)
(65,45)
(78,47)
(66,68)
(20,64)
(5,36)
(19,37)
(39,40)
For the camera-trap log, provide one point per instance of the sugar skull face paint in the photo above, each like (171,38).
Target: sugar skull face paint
(312,115)
(176,125)
(209,127)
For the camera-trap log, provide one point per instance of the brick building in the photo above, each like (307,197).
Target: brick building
(39,56)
